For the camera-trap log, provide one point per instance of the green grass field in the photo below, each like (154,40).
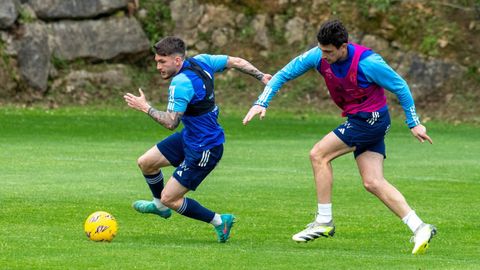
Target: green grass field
(57,167)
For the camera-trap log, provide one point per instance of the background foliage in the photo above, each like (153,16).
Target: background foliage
(446,30)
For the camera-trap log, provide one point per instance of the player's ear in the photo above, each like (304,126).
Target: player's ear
(179,60)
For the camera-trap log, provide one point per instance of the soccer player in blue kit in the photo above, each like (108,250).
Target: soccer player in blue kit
(197,149)
(356,78)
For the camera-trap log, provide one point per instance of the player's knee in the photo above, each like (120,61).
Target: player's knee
(141,162)
(144,165)
(168,200)
(317,156)
(372,184)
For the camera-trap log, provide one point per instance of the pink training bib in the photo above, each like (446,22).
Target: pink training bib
(346,93)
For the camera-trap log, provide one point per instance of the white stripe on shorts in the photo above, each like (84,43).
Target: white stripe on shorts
(205,157)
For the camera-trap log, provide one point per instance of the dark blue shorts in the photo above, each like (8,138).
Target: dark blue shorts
(366,131)
(192,166)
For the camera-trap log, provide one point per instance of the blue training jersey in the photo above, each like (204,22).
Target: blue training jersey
(372,69)
(200,132)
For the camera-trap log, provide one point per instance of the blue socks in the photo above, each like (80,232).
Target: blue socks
(189,208)
(155,182)
(192,209)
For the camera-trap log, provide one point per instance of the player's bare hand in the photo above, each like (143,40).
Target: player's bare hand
(137,102)
(266,78)
(256,109)
(420,132)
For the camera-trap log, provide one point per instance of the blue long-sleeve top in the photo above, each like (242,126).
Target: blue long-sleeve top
(372,70)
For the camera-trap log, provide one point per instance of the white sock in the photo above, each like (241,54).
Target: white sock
(159,204)
(217,220)
(324,213)
(412,220)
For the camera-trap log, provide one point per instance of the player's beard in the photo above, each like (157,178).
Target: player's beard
(166,75)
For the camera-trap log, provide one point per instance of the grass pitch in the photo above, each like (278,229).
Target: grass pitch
(57,167)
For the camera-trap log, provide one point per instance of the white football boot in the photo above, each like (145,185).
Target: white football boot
(313,231)
(422,237)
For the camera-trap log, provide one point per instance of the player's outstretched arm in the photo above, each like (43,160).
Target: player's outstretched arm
(169,119)
(420,132)
(247,68)
(294,69)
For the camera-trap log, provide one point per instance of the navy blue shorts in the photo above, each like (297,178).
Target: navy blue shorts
(192,166)
(366,131)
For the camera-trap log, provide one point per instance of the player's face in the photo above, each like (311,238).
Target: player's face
(169,65)
(332,54)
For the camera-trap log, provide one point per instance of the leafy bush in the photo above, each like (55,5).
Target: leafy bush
(157,20)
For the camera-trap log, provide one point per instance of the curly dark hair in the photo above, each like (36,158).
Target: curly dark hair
(170,45)
(332,32)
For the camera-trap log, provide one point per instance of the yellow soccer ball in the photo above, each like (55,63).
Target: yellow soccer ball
(100,226)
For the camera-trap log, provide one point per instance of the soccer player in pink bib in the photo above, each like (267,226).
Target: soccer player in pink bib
(356,78)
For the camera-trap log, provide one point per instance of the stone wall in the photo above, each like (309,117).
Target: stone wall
(66,30)
(220,26)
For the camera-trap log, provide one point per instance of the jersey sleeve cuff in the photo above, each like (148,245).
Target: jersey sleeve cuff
(412,124)
(263,104)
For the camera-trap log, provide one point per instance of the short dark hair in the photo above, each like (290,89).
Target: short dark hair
(170,45)
(332,32)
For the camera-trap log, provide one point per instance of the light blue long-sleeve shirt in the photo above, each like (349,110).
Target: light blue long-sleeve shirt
(372,70)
